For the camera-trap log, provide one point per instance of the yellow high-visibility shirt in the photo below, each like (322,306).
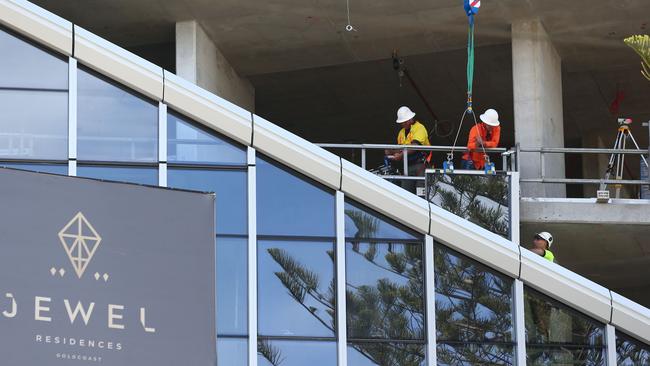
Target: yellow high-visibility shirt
(417,133)
(548,255)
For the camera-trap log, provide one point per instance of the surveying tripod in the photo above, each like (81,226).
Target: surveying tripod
(616,163)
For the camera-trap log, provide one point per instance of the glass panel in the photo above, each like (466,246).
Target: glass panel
(289,204)
(631,352)
(34,124)
(481,199)
(296,289)
(386,354)
(24,65)
(558,334)
(232,294)
(114,124)
(232,351)
(296,353)
(230,187)
(385,287)
(473,303)
(140,175)
(469,354)
(566,355)
(362,223)
(189,143)
(61,169)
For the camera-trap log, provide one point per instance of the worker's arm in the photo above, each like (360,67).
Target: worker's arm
(472,142)
(538,251)
(495,138)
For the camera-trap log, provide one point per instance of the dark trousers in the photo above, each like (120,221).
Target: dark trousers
(415,170)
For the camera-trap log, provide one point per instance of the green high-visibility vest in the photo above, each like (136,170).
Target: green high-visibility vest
(549,255)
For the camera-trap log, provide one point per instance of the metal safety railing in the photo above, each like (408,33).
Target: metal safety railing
(506,156)
(542,172)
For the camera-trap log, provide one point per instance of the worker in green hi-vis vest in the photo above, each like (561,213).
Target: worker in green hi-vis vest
(542,245)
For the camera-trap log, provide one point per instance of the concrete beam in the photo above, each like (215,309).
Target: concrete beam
(585,211)
(537,88)
(199,61)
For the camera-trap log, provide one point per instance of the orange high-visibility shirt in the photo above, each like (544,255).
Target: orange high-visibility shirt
(489,141)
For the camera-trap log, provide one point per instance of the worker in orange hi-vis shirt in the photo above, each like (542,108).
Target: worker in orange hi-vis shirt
(483,135)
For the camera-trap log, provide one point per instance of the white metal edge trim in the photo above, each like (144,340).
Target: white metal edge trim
(610,344)
(118,63)
(208,109)
(474,241)
(162,132)
(252,266)
(37,24)
(514,208)
(162,174)
(630,317)
(520,324)
(430,289)
(565,286)
(341,305)
(72,168)
(297,153)
(72,108)
(385,197)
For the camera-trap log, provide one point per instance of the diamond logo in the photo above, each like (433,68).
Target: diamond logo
(80,241)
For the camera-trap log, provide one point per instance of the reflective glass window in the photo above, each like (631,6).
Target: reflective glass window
(296,288)
(34,124)
(188,143)
(474,312)
(295,353)
(630,351)
(232,284)
(291,204)
(385,289)
(230,187)
(130,174)
(232,351)
(24,65)
(557,334)
(386,353)
(61,169)
(114,124)
(361,223)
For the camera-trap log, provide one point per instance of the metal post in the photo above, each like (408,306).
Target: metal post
(541,165)
(405,157)
(514,207)
(504,161)
(341,305)
(430,290)
(162,144)
(72,116)
(363,158)
(520,324)
(252,259)
(610,344)
(518,147)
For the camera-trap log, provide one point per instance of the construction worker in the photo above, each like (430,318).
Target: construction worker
(483,135)
(542,244)
(412,132)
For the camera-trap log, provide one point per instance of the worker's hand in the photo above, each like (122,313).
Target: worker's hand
(398,155)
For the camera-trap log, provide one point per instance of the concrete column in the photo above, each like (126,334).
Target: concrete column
(537,88)
(200,61)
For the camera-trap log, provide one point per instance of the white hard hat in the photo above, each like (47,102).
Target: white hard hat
(404,114)
(491,118)
(546,236)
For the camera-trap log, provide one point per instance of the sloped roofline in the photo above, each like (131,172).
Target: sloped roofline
(252,130)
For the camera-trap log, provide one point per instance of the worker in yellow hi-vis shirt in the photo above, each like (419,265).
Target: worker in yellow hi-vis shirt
(542,245)
(412,132)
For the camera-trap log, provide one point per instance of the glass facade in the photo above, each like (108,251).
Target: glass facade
(386,322)
(474,312)
(385,290)
(631,352)
(556,334)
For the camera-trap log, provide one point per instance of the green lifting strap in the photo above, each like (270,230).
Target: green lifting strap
(470,65)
